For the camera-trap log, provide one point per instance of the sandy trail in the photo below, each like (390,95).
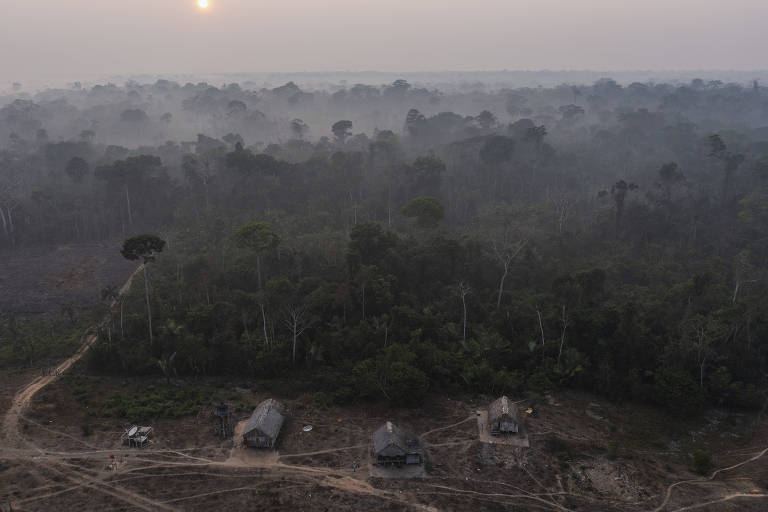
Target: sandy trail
(23,398)
(668,494)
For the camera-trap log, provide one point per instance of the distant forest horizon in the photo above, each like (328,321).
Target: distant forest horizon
(446,80)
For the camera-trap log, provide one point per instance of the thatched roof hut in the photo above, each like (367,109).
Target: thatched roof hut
(504,417)
(264,426)
(392,446)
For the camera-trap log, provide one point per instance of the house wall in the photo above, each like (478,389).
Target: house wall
(384,460)
(413,458)
(258,441)
(505,425)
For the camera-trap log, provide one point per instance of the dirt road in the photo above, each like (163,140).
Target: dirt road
(22,399)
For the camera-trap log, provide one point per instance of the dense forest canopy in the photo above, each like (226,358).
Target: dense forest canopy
(385,241)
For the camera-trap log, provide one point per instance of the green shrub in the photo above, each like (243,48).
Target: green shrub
(701,461)
(144,403)
(321,400)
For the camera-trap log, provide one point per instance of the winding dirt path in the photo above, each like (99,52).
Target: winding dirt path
(425,434)
(23,398)
(711,477)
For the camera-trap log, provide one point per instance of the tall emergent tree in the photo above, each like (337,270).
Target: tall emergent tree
(144,247)
(341,130)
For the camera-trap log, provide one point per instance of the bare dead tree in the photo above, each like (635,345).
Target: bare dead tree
(700,332)
(506,251)
(563,206)
(742,271)
(264,323)
(541,328)
(383,323)
(297,321)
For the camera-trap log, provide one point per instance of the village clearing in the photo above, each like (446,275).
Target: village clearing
(615,458)
(61,450)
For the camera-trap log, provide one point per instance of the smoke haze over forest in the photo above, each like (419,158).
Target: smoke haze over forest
(422,212)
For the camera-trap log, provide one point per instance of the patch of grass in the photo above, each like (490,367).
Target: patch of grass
(152,401)
(321,400)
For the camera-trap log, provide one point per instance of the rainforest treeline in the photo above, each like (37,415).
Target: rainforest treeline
(605,237)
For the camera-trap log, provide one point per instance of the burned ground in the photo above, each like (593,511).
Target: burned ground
(37,281)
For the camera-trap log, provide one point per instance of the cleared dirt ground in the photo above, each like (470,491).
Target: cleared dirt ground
(585,454)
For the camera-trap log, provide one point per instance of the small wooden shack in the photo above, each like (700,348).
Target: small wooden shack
(393,447)
(503,417)
(264,426)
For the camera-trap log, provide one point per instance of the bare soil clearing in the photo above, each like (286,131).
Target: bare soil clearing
(188,468)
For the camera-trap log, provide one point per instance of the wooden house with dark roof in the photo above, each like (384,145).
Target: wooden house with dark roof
(504,417)
(393,447)
(264,426)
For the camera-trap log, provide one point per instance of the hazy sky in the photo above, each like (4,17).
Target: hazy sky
(91,37)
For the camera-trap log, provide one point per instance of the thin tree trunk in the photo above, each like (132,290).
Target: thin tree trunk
(294,344)
(10,219)
(363,295)
(464,303)
(463,291)
(5,224)
(128,205)
(501,284)
(541,328)
(149,311)
(10,226)
(564,319)
(264,322)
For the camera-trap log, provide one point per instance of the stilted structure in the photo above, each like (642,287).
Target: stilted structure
(222,421)
(136,436)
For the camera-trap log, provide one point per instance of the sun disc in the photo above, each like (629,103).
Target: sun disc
(203,4)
